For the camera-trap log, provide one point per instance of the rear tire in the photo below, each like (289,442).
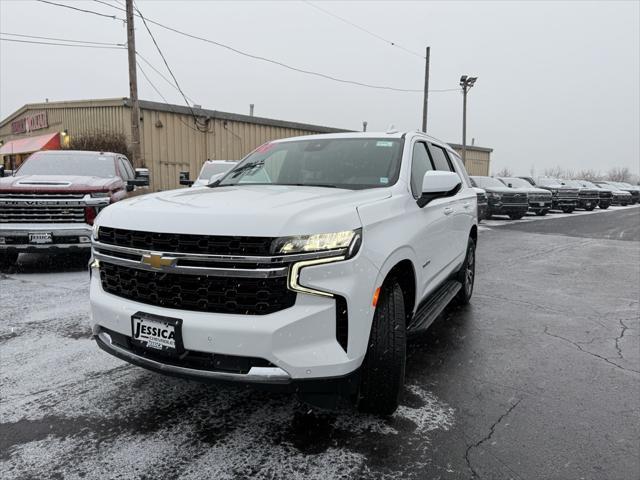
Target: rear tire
(466,275)
(590,209)
(604,206)
(382,373)
(516,216)
(567,210)
(7,259)
(541,213)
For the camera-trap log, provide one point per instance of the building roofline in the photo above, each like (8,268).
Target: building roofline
(216,114)
(471,147)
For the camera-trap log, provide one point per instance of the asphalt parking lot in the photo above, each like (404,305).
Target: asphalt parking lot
(538,378)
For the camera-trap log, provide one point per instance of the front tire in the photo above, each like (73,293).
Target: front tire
(604,206)
(467,274)
(382,373)
(7,259)
(516,216)
(567,210)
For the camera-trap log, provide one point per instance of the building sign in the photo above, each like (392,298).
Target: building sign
(33,122)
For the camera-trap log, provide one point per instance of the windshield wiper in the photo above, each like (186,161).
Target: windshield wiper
(327,185)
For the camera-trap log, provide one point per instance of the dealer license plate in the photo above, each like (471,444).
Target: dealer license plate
(157,333)
(40,237)
(541,204)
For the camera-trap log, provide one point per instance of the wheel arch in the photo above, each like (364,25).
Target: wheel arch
(405,274)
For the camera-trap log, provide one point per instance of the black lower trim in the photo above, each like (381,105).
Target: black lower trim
(342,322)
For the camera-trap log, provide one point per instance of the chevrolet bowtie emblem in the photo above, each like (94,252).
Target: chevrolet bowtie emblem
(156,260)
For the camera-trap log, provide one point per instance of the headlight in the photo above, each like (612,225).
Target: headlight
(494,195)
(100,195)
(319,242)
(94,232)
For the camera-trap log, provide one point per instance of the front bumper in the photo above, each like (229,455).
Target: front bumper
(540,205)
(559,203)
(499,208)
(66,237)
(299,342)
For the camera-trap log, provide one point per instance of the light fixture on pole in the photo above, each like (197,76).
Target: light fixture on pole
(466,83)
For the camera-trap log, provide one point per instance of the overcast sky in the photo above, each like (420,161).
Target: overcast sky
(559,83)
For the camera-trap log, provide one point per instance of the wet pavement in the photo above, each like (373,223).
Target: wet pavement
(538,378)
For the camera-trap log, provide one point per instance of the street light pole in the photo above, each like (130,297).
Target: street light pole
(425,99)
(466,83)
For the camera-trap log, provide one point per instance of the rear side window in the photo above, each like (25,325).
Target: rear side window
(420,164)
(440,159)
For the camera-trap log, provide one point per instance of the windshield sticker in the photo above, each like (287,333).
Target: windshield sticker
(384,143)
(265,147)
(384,180)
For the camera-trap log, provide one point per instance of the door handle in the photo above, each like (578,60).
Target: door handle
(448,210)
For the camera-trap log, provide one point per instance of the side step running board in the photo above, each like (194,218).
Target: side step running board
(429,310)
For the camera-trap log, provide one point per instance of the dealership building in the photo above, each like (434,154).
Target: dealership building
(173,138)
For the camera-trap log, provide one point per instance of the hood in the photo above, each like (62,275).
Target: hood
(58,183)
(504,189)
(243,210)
(531,190)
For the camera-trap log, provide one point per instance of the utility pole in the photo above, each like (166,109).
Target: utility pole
(425,104)
(466,83)
(133,87)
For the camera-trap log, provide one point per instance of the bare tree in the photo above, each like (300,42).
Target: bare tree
(555,172)
(505,172)
(619,174)
(590,175)
(99,142)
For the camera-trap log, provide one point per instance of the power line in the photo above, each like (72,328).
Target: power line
(144,74)
(60,44)
(63,39)
(368,32)
(277,62)
(113,17)
(144,21)
(161,75)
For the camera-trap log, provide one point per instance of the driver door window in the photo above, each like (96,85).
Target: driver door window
(420,164)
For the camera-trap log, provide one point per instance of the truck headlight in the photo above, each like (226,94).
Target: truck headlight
(495,195)
(99,194)
(320,242)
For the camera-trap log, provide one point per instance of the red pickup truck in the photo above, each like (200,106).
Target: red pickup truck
(50,202)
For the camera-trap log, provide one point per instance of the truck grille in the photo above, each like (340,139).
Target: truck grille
(41,214)
(186,243)
(605,194)
(515,198)
(539,197)
(588,195)
(245,296)
(44,196)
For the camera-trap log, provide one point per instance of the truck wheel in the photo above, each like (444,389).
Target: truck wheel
(590,209)
(7,259)
(604,206)
(382,373)
(567,209)
(467,274)
(541,213)
(516,216)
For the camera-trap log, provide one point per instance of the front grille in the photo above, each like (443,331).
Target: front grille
(539,197)
(186,243)
(605,194)
(245,296)
(515,198)
(41,214)
(44,196)
(588,195)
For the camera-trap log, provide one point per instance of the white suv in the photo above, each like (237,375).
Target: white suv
(304,267)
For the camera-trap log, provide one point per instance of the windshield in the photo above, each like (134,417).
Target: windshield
(516,182)
(211,169)
(352,163)
(488,182)
(85,165)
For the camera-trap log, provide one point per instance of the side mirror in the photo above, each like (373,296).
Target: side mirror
(510,185)
(184,179)
(141,180)
(130,187)
(438,184)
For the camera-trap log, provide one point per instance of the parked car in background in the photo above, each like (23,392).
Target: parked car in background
(51,201)
(540,200)
(483,203)
(502,199)
(211,170)
(627,187)
(605,196)
(588,198)
(563,197)
(304,268)
(620,197)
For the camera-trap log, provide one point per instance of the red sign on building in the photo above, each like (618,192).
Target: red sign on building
(33,122)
